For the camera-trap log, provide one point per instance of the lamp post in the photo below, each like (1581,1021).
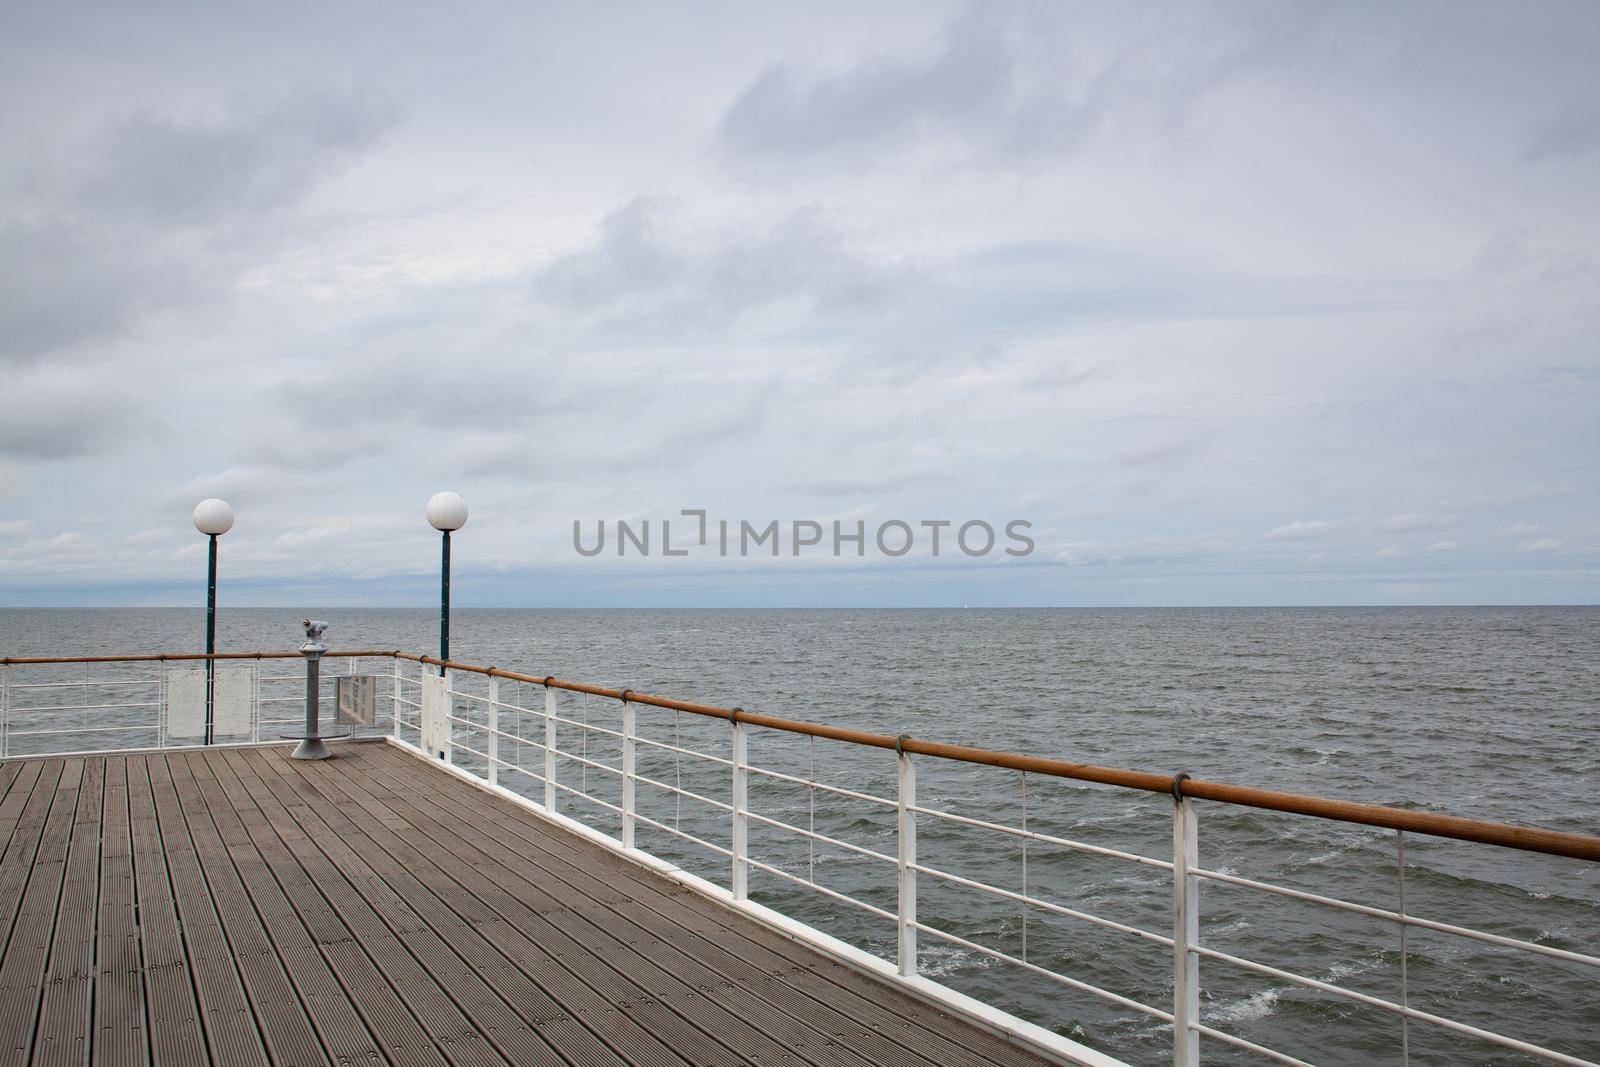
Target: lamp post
(213,518)
(447,512)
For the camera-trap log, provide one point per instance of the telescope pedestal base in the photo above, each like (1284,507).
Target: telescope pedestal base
(311,748)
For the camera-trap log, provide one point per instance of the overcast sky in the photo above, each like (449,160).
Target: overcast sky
(1237,303)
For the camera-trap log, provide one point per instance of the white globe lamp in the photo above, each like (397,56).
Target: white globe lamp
(213,517)
(447,512)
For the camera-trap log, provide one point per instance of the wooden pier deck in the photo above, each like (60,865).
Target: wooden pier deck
(234,906)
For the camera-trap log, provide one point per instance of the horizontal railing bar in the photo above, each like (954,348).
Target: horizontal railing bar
(409,703)
(588,796)
(824,838)
(1070,983)
(1396,917)
(484,729)
(84,707)
(153,680)
(1033,835)
(825,787)
(168,657)
(1071,913)
(702,842)
(834,894)
(588,763)
(1552,842)
(1248,1046)
(84,730)
(496,760)
(1393,1008)
(682,792)
(694,754)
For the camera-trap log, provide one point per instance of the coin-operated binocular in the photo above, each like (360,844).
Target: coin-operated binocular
(312,745)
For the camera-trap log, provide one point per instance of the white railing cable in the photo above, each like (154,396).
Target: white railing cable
(1045,972)
(681,792)
(812,836)
(834,789)
(1399,917)
(683,751)
(1248,1046)
(1393,1008)
(1046,905)
(1048,839)
(832,894)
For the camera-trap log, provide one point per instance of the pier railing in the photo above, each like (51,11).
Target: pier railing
(62,705)
(549,750)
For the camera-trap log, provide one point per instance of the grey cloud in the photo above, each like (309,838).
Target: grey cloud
(643,275)
(62,284)
(260,156)
(875,105)
(1571,135)
(999,83)
(55,414)
(1415,521)
(165,215)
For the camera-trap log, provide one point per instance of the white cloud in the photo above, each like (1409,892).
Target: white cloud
(1413,521)
(1543,544)
(1299,530)
(1390,552)
(1443,546)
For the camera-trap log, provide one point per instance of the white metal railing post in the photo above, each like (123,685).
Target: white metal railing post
(628,727)
(549,750)
(493,747)
(5,710)
(1185,930)
(399,675)
(448,713)
(906,861)
(740,883)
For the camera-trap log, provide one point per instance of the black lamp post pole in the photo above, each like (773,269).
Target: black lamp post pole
(444,602)
(211,639)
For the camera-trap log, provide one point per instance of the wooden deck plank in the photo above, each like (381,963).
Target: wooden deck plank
(33,927)
(446,1024)
(714,1001)
(739,948)
(594,928)
(548,972)
(172,1015)
(225,1014)
(63,1030)
(514,1032)
(119,1037)
(419,878)
(317,1010)
(236,906)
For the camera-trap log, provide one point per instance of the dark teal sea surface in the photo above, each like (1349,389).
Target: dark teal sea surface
(1492,713)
